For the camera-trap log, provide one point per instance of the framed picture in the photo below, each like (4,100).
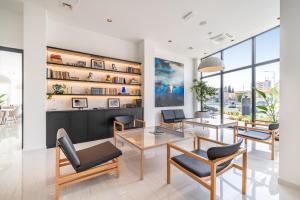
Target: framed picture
(98,64)
(113,103)
(79,103)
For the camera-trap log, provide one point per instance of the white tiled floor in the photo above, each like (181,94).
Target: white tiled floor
(30,175)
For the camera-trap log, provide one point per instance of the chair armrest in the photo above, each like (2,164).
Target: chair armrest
(225,159)
(189,154)
(255,123)
(141,121)
(264,121)
(210,140)
(120,124)
(253,129)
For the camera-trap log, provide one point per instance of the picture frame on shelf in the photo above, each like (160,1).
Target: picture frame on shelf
(113,103)
(79,103)
(97,64)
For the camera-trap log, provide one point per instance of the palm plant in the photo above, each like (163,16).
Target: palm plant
(203,92)
(270,109)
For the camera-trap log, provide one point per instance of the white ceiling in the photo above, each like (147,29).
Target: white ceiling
(161,20)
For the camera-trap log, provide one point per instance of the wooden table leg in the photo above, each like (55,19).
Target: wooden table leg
(142,165)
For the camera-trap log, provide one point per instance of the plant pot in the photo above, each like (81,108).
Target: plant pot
(202,114)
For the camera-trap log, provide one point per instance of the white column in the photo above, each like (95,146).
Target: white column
(196,62)
(34,75)
(147,48)
(289,163)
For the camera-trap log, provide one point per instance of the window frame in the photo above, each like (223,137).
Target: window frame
(252,66)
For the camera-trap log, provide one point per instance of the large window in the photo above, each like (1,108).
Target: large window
(238,56)
(214,103)
(249,65)
(237,95)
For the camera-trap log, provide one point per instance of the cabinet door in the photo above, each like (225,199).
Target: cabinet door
(78,126)
(55,121)
(97,125)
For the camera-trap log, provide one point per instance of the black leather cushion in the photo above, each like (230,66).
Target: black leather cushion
(168,116)
(273,126)
(256,135)
(97,155)
(197,167)
(223,151)
(179,114)
(67,147)
(127,120)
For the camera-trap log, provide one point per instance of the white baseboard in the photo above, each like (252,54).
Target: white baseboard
(288,184)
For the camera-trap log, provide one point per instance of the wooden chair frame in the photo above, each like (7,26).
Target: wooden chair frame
(253,128)
(172,124)
(208,182)
(122,127)
(76,177)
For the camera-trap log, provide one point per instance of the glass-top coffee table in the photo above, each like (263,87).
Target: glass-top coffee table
(211,123)
(152,137)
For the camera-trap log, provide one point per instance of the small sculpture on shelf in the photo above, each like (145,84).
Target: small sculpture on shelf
(108,79)
(90,76)
(113,67)
(58,88)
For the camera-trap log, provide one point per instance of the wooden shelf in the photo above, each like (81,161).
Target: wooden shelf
(94,69)
(66,51)
(87,81)
(117,95)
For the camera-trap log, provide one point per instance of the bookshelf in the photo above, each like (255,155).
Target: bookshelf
(89,75)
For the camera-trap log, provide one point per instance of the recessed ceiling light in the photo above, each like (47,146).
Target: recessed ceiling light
(204,53)
(278,18)
(190,48)
(209,33)
(109,20)
(232,40)
(202,23)
(170,41)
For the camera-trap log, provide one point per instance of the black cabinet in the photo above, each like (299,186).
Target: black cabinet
(85,125)
(97,125)
(56,121)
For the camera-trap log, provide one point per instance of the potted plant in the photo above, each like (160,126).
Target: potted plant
(271,104)
(2,96)
(203,92)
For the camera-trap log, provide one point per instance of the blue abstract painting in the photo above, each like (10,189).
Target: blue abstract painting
(169,83)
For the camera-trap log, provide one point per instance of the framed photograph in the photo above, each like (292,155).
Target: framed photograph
(113,103)
(79,103)
(98,64)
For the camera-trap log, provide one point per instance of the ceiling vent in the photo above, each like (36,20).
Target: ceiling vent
(222,37)
(69,4)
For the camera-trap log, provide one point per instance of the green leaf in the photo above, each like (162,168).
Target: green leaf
(261,93)
(262,108)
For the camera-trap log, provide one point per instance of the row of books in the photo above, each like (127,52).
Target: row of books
(119,80)
(104,91)
(112,91)
(133,70)
(57,74)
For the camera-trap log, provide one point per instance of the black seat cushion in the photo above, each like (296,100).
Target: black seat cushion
(179,114)
(97,155)
(273,126)
(256,135)
(127,120)
(197,167)
(67,147)
(168,116)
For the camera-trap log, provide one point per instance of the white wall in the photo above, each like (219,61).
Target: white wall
(149,52)
(289,164)
(34,75)
(11,26)
(78,39)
